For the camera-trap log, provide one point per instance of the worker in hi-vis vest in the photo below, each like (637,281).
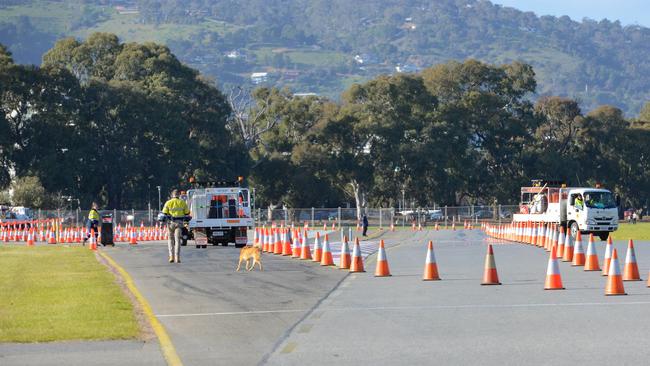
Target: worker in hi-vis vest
(93,222)
(177,211)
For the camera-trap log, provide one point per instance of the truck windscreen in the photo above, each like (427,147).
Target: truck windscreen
(599,200)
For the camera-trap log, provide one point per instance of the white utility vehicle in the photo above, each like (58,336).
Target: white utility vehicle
(221,213)
(584,209)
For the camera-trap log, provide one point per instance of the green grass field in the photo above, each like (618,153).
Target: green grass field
(60,293)
(640,231)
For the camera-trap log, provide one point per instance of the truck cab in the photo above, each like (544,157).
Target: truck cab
(591,210)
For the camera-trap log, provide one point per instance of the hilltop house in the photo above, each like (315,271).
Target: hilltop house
(259,77)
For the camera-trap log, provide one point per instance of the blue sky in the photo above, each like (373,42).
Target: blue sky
(627,11)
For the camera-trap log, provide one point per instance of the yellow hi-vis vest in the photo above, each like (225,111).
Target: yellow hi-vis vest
(93,215)
(176,207)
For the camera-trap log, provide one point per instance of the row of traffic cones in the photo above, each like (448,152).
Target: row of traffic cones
(561,247)
(321,253)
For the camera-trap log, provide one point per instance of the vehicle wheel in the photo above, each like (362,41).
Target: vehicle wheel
(240,245)
(225,243)
(603,236)
(198,246)
(574,229)
(205,247)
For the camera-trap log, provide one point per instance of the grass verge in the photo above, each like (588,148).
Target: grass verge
(639,231)
(60,293)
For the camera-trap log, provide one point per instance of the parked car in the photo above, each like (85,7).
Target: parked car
(435,215)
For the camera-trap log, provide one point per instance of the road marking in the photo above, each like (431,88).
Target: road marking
(232,313)
(166,345)
(488,306)
(289,347)
(415,307)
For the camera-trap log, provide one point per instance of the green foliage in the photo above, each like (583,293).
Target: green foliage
(29,192)
(107,121)
(597,62)
(104,120)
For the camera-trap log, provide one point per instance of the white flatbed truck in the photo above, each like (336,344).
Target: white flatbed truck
(584,209)
(221,214)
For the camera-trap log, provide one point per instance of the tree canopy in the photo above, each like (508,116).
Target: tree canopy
(109,121)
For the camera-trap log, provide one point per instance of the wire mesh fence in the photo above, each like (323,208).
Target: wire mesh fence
(382,217)
(379,217)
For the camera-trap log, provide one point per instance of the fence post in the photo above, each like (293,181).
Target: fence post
(114,217)
(312,217)
(286,216)
(445,216)
(499,214)
(380,222)
(339,217)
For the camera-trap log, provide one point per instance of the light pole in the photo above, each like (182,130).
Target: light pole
(158,198)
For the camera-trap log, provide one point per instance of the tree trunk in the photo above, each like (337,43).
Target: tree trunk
(358,197)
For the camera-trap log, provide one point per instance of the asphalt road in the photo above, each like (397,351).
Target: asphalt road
(298,313)
(216,316)
(79,353)
(403,320)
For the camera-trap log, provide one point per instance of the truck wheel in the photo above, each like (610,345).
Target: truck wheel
(224,243)
(574,229)
(603,236)
(240,245)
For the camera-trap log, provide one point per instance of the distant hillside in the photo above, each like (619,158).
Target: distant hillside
(322,46)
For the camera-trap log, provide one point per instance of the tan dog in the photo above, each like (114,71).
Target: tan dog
(247,253)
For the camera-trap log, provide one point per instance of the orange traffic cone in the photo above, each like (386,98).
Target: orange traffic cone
(265,240)
(306,251)
(277,244)
(578,252)
(133,240)
(631,270)
(430,265)
(568,248)
(326,259)
(52,238)
(560,243)
(30,238)
(553,278)
(608,256)
(297,245)
(382,261)
(357,260)
(490,276)
(286,245)
(437,227)
(93,240)
(344,259)
(591,263)
(318,251)
(614,280)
